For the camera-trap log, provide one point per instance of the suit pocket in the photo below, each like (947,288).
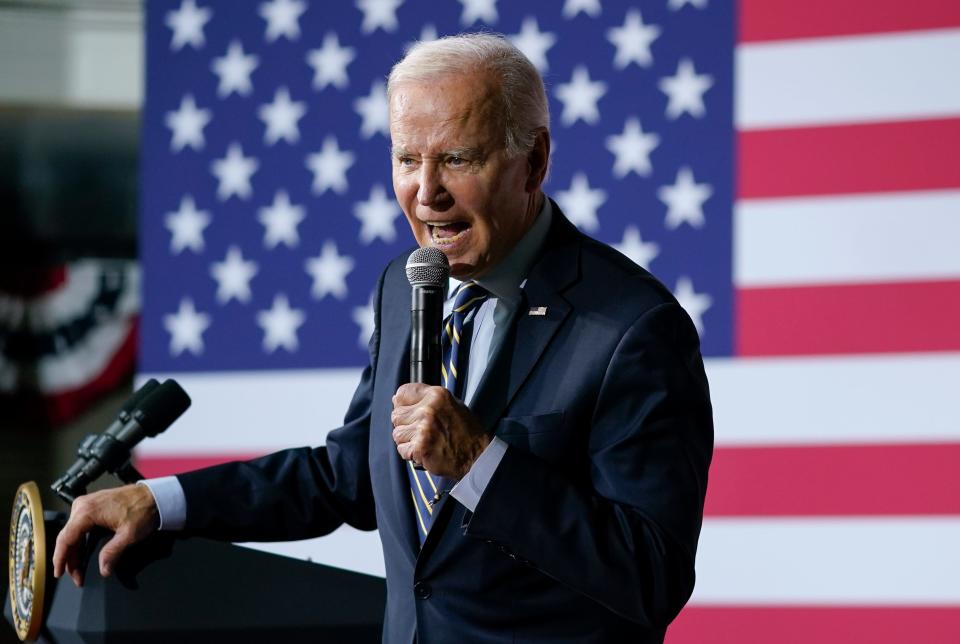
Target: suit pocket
(526,425)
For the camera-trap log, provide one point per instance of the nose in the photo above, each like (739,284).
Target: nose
(431,192)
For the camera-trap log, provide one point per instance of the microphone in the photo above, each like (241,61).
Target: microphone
(148,412)
(427,271)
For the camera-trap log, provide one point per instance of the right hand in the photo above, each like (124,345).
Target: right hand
(129,511)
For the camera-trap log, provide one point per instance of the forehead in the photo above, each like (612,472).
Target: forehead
(450,110)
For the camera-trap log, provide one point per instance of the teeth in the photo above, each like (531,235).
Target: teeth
(441,241)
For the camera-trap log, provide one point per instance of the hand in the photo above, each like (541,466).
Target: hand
(435,430)
(129,511)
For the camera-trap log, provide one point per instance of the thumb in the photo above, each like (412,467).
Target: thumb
(113,548)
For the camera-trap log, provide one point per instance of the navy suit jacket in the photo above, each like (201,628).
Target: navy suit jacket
(588,529)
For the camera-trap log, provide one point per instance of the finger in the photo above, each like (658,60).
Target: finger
(404,433)
(409,394)
(112,550)
(71,535)
(402,415)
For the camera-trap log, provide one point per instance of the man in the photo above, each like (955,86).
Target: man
(564,501)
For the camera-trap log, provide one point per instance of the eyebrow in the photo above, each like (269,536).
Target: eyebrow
(399,151)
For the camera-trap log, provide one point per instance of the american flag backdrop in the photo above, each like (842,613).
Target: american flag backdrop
(788,168)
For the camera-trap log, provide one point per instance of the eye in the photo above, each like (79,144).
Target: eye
(406,162)
(456,161)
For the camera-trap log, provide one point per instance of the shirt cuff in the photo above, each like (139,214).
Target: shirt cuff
(170,499)
(470,488)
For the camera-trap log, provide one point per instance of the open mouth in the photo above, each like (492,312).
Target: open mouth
(448,233)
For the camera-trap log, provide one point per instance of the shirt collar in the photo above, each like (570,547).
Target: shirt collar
(505,280)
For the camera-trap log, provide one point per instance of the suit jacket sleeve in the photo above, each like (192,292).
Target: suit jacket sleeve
(295,493)
(627,536)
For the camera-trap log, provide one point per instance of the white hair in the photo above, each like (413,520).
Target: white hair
(523,97)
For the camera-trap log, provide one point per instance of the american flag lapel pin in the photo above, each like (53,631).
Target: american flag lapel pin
(538,310)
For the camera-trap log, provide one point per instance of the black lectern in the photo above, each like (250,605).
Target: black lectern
(186,591)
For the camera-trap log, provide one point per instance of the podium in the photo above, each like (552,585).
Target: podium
(190,590)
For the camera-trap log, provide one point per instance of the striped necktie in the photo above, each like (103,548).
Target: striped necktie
(424,487)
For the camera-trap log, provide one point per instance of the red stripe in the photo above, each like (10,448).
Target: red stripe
(848,318)
(815,624)
(782,19)
(847,480)
(154,466)
(876,157)
(32,282)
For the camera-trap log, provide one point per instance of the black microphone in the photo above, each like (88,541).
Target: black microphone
(149,411)
(427,271)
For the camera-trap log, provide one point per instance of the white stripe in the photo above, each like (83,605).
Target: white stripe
(851,399)
(848,79)
(785,401)
(843,239)
(255,412)
(837,561)
(345,547)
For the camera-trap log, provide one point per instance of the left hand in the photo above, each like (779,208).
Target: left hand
(435,430)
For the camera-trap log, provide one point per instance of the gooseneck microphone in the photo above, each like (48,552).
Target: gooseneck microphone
(150,410)
(427,271)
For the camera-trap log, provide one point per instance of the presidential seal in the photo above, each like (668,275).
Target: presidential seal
(28,562)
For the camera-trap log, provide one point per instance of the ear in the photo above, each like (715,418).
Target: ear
(537,161)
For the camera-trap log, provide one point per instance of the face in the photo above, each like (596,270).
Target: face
(457,187)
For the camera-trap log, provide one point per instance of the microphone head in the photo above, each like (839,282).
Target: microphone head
(133,402)
(163,406)
(428,266)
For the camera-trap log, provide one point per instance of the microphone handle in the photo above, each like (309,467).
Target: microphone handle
(426,318)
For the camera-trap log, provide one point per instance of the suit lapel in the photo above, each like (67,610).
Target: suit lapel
(394,358)
(538,317)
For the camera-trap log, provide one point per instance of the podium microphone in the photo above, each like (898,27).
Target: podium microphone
(427,271)
(148,412)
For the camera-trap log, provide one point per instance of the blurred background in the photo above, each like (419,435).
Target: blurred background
(200,189)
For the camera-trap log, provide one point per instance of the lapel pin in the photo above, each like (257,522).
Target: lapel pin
(538,310)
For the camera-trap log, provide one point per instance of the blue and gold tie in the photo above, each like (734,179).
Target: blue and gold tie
(424,488)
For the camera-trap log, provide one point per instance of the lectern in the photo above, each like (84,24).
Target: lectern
(184,591)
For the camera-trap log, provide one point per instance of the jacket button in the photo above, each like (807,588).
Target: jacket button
(422,590)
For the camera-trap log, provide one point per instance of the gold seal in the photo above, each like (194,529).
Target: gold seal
(28,562)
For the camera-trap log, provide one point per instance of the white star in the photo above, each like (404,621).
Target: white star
(234,172)
(639,251)
(186,328)
(633,41)
(695,304)
(580,96)
(572,7)
(329,271)
(187,124)
(473,10)
(685,90)
(374,110)
(685,199)
(676,5)
(233,276)
(376,216)
(632,149)
(427,34)
(379,14)
(329,167)
(187,23)
(281,220)
(534,43)
(282,18)
(281,118)
(234,70)
(363,318)
(186,226)
(580,203)
(330,63)
(280,324)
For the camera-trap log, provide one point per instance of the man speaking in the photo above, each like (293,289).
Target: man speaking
(553,489)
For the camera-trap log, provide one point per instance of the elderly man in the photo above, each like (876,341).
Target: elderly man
(564,464)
